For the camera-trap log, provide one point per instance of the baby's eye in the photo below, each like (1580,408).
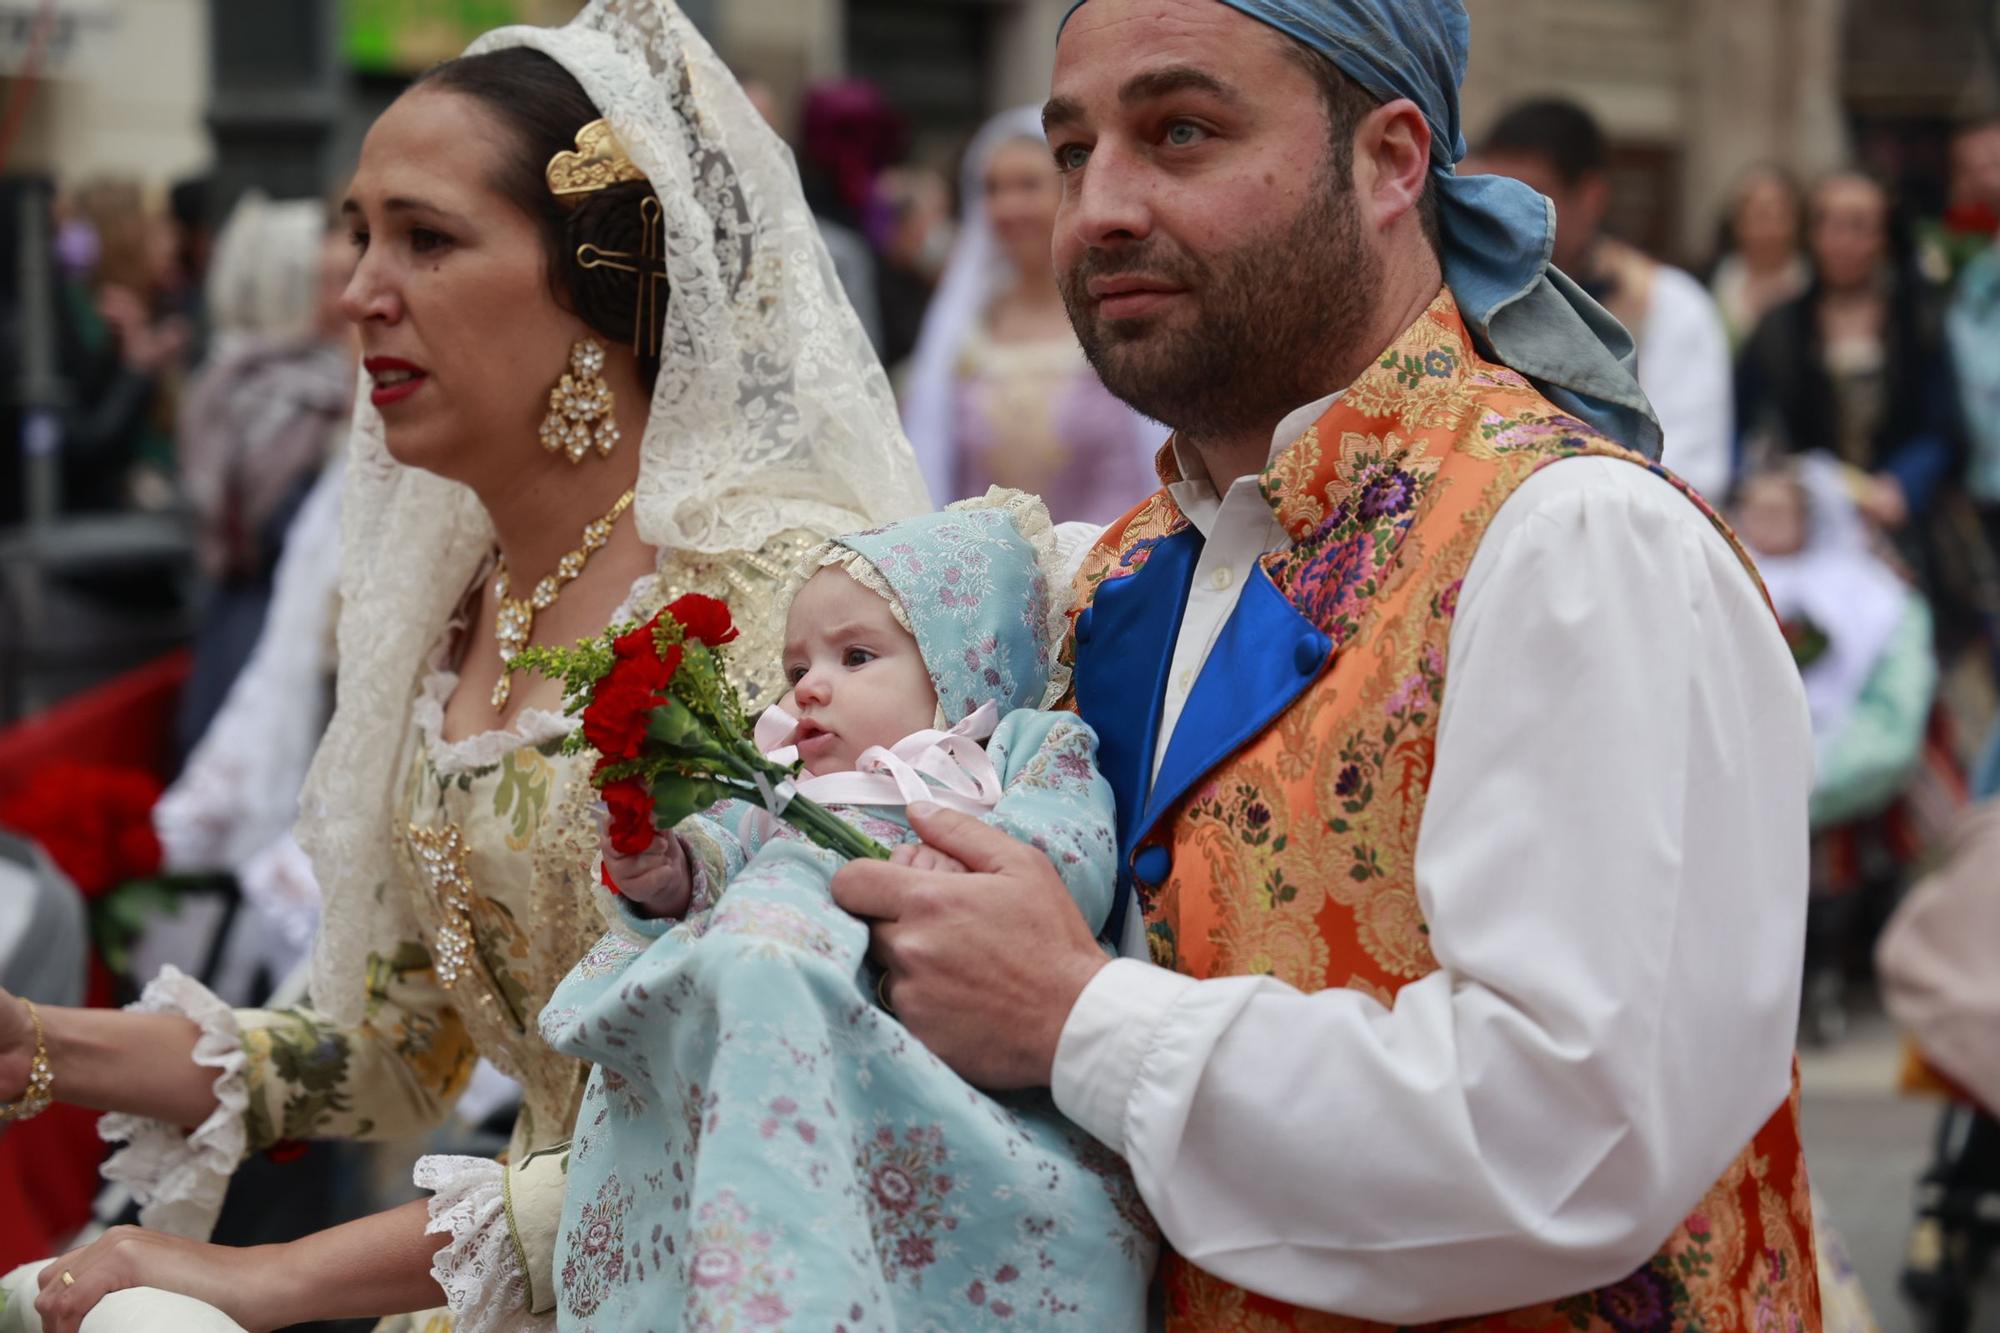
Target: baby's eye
(794,674)
(856,657)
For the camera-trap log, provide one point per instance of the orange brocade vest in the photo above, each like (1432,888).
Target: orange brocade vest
(1281,842)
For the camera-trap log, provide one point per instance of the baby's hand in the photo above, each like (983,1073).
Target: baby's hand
(918,856)
(658,882)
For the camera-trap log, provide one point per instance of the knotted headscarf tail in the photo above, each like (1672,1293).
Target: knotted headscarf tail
(1498,235)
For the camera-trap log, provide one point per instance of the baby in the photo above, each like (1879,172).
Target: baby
(761,1142)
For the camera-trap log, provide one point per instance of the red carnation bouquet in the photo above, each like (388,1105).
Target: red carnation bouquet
(670,732)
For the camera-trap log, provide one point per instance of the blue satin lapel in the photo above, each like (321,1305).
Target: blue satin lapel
(1265,657)
(1124,648)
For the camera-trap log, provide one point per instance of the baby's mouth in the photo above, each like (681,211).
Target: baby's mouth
(807,730)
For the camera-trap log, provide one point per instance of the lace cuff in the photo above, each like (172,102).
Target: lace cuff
(180,1176)
(480,1267)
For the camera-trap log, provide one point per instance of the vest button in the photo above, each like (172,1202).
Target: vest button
(1083,625)
(1151,865)
(1309,653)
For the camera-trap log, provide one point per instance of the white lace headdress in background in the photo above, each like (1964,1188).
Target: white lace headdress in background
(771,413)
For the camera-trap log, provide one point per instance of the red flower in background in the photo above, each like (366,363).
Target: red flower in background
(94,820)
(705,619)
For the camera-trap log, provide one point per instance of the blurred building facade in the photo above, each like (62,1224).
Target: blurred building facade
(279,92)
(117,87)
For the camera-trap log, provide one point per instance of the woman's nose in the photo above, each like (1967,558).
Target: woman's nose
(367,296)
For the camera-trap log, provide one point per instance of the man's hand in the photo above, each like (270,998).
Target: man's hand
(983,966)
(923,856)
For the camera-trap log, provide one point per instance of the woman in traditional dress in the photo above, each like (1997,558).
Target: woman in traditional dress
(598,208)
(1762,261)
(999,392)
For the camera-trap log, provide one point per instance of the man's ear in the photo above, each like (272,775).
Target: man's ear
(1392,161)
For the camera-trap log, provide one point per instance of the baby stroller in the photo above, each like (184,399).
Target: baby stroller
(1939,963)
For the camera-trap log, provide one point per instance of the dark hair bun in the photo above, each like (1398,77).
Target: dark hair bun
(607,298)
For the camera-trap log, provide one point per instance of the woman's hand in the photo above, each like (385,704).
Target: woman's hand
(245,1284)
(365,1269)
(17,1049)
(659,881)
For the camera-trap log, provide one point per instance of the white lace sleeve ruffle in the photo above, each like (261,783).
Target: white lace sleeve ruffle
(178,1176)
(479,1268)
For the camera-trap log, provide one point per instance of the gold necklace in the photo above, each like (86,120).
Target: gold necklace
(515,625)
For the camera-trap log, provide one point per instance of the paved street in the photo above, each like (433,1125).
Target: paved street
(1866,1145)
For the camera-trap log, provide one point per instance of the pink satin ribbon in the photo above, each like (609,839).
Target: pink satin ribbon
(959,773)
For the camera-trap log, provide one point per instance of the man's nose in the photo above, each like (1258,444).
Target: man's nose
(1108,199)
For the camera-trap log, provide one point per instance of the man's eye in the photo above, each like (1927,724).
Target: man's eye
(358,239)
(1071,156)
(1184,133)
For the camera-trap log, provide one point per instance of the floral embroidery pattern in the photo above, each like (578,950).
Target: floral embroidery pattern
(907,1189)
(595,1250)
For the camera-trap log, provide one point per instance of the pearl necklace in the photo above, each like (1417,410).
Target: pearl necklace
(515,625)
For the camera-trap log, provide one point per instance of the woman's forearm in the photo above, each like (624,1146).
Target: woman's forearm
(367,1269)
(141,1064)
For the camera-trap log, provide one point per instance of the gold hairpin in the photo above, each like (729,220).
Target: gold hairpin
(598,160)
(649,266)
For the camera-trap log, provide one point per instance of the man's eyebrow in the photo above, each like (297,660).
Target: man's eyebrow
(1174,79)
(1060,112)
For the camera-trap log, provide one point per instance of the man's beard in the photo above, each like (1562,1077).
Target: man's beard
(1272,317)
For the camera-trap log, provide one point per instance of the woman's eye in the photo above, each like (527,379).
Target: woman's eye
(1183,133)
(358,239)
(423,240)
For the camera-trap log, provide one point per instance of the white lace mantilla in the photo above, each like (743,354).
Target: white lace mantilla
(479,1268)
(770,415)
(178,1176)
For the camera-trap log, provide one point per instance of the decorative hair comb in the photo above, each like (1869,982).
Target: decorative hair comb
(598,160)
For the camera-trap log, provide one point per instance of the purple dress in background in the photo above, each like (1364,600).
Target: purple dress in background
(1034,416)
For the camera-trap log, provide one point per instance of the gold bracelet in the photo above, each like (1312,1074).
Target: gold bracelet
(41,1078)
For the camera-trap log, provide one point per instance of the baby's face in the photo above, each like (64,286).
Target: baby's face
(1771,515)
(857,677)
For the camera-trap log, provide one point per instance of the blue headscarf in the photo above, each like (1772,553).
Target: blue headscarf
(968,583)
(1498,234)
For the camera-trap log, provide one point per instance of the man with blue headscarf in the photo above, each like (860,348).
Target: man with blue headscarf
(1461,768)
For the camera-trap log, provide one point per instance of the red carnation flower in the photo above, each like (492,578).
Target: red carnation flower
(631,817)
(616,718)
(705,619)
(637,645)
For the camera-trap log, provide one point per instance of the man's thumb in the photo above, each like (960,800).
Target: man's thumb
(980,846)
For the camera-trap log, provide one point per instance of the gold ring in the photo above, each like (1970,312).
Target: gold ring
(882,992)
(67,1280)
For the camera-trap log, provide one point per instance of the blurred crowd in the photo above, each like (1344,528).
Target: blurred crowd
(1830,377)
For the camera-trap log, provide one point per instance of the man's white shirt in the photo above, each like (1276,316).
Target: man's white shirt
(1612,863)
